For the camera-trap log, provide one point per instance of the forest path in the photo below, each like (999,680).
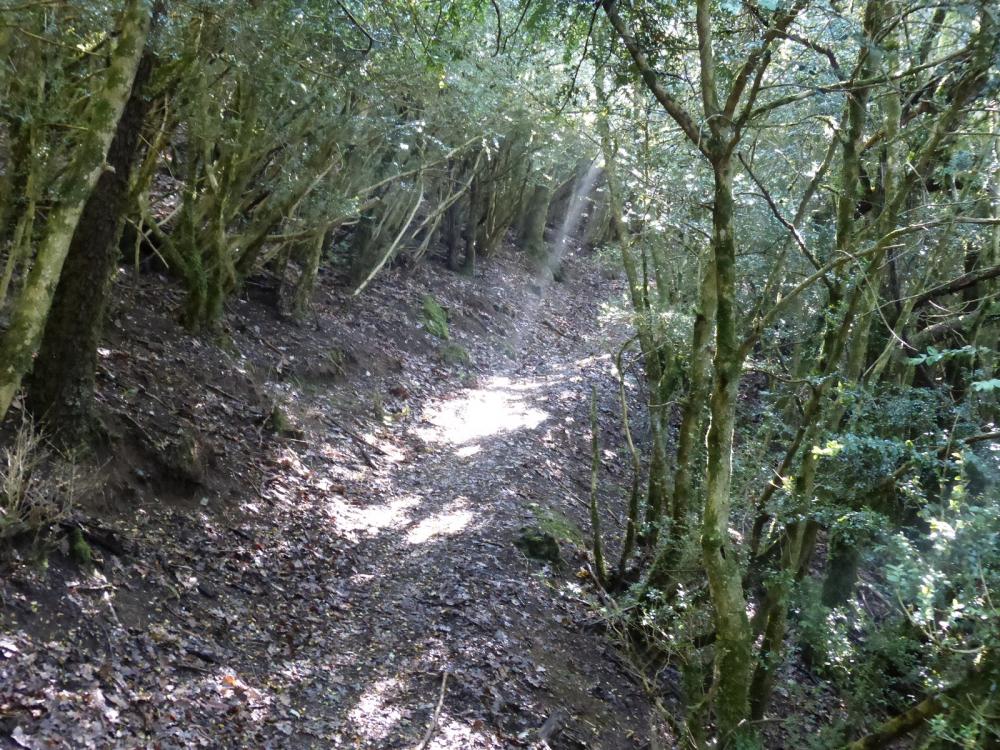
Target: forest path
(438,591)
(444,588)
(318,588)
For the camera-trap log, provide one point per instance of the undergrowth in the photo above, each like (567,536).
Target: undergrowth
(36,488)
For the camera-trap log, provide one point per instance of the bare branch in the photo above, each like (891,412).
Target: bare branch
(362,29)
(796,235)
(671,105)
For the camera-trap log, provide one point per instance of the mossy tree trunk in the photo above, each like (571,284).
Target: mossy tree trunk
(474,225)
(691,433)
(717,138)
(733,643)
(61,387)
(533,229)
(311,256)
(21,339)
(453,235)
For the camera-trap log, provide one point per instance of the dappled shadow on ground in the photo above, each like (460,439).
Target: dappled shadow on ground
(325,597)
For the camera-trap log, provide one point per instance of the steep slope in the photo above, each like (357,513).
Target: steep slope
(350,576)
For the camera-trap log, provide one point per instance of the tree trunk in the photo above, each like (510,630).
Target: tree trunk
(312,255)
(733,642)
(533,231)
(453,235)
(61,388)
(21,339)
(979,680)
(473,229)
(692,430)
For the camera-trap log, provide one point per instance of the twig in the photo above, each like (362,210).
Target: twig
(437,714)
(601,591)
(793,230)
(355,436)
(192,667)
(203,654)
(583,56)
(554,327)
(273,348)
(221,392)
(142,431)
(359,27)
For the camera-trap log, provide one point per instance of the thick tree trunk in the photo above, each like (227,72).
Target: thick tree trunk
(21,339)
(312,256)
(453,235)
(61,388)
(474,226)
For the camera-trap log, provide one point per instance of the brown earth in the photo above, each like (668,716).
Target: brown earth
(351,578)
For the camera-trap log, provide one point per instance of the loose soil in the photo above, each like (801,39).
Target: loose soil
(305,536)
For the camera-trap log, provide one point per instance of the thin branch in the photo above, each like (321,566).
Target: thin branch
(517,26)
(816,47)
(759,59)
(706,59)
(955,285)
(392,248)
(778,215)
(844,86)
(671,105)
(437,714)
(362,29)
(496,9)
(583,56)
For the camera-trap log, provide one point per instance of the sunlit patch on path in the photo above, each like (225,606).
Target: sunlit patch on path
(450,521)
(377,517)
(501,406)
(375,713)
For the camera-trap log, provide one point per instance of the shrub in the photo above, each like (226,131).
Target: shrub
(31,500)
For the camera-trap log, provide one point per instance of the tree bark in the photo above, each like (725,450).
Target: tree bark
(21,339)
(733,642)
(61,387)
(980,679)
(692,430)
(533,234)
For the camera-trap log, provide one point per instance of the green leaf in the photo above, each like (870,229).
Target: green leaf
(983,386)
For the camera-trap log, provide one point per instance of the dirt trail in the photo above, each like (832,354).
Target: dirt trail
(375,565)
(447,590)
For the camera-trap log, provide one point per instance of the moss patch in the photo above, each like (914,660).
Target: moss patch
(539,545)
(453,354)
(435,318)
(79,550)
(559,526)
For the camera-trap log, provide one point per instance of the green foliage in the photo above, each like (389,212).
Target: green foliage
(386,134)
(874,661)
(933,355)
(986,386)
